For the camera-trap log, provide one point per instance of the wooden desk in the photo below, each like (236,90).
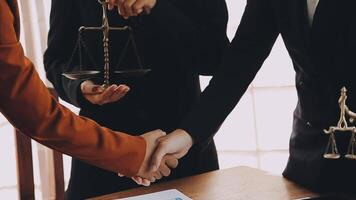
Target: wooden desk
(240,183)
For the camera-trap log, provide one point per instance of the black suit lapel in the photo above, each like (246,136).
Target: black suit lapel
(298,19)
(304,22)
(325,21)
(330,21)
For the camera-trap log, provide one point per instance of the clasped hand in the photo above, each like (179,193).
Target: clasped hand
(162,154)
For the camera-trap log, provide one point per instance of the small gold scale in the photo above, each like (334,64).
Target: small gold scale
(83,74)
(332,151)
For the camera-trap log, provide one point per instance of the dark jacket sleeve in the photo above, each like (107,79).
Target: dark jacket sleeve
(200,27)
(252,44)
(62,38)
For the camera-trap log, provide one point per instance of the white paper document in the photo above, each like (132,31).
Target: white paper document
(163,195)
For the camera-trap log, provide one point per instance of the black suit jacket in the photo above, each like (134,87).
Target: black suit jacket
(176,41)
(323,58)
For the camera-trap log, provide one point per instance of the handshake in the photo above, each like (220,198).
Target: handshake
(162,154)
(162,151)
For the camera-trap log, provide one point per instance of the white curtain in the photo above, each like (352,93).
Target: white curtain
(34,26)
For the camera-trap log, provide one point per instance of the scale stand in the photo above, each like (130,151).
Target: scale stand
(105,28)
(331,151)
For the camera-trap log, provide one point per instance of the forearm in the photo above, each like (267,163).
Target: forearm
(251,46)
(217,100)
(28,105)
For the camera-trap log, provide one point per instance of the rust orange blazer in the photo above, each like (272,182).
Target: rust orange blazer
(28,105)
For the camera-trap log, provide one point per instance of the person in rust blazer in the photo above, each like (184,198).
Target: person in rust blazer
(27,104)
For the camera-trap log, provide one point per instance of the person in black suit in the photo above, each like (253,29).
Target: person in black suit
(174,41)
(320,39)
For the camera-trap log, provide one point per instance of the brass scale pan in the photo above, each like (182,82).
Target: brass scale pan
(89,74)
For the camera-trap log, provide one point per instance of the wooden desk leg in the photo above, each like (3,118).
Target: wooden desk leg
(24,166)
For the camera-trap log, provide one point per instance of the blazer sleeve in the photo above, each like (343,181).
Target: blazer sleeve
(62,39)
(199,28)
(27,104)
(250,47)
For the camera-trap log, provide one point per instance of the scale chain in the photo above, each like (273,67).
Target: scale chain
(106,62)
(106,29)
